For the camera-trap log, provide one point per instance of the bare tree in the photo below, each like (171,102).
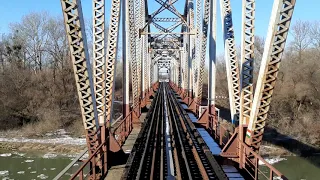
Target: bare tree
(300,32)
(33,32)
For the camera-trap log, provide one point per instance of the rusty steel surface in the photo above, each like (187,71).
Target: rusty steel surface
(149,160)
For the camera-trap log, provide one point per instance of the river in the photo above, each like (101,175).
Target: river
(298,168)
(24,166)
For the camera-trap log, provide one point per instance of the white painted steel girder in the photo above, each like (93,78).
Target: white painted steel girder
(99,57)
(247,58)
(111,55)
(76,35)
(280,20)
(232,64)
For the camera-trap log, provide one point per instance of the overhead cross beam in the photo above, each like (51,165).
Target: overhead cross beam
(166,19)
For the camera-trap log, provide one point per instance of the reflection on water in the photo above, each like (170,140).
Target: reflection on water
(16,165)
(298,168)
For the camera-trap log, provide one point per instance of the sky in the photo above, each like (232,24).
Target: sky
(13,10)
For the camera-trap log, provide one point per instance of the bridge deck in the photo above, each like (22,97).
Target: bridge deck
(231,172)
(115,172)
(123,170)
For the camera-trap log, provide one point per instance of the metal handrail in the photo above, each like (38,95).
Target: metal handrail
(258,157)
(67,168)
(88,160)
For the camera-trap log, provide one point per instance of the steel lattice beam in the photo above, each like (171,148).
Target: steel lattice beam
(281,17)
(247,58)
(202,55)
(137,14)
(166,19)
(232,63)
(111,56)
(132,44)
(99,57)
(76,35)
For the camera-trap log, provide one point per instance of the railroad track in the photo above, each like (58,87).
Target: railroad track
(169,146)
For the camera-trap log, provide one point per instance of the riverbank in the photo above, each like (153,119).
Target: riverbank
(59,142)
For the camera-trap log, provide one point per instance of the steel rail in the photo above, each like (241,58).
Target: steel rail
(211,165)
(184,160)
(140,145)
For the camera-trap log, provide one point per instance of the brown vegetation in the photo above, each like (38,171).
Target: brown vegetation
(37,85)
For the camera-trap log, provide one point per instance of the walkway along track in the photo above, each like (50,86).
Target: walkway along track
(169,146)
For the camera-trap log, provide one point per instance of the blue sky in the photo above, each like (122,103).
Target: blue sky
(13,10)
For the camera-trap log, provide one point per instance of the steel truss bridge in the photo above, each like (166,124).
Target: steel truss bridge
(164,59)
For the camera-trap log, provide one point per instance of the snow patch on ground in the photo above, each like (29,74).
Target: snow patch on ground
(42,176)
(4,173)
(49,155)
(29,160)
(58,137)
(272,160)
(33,172)
(20,172)
(19,154)
(6,155)
(62,140)
(52,169)
(277,178)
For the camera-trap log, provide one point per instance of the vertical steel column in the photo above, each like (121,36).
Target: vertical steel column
(126,57)
(137,13)
(133,55)
(232,64)
(111,57)
(74,25)
(190,47)
(143,65)
(152,71)
(99,57)
(198,47)
(202,55)
(149,67)
(180,68)
(212,55)
(281,17)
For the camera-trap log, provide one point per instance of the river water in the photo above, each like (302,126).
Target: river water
(298,168)
(18,165)
(24,166)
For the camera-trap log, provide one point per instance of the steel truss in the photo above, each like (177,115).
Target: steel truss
(247,58)
(74,26)
(99,57)
(202,55)
(281,17)
(111,56)
(232,63)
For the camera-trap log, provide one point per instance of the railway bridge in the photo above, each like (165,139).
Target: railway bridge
(167,131)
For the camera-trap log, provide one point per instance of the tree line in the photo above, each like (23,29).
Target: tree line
(38,90)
